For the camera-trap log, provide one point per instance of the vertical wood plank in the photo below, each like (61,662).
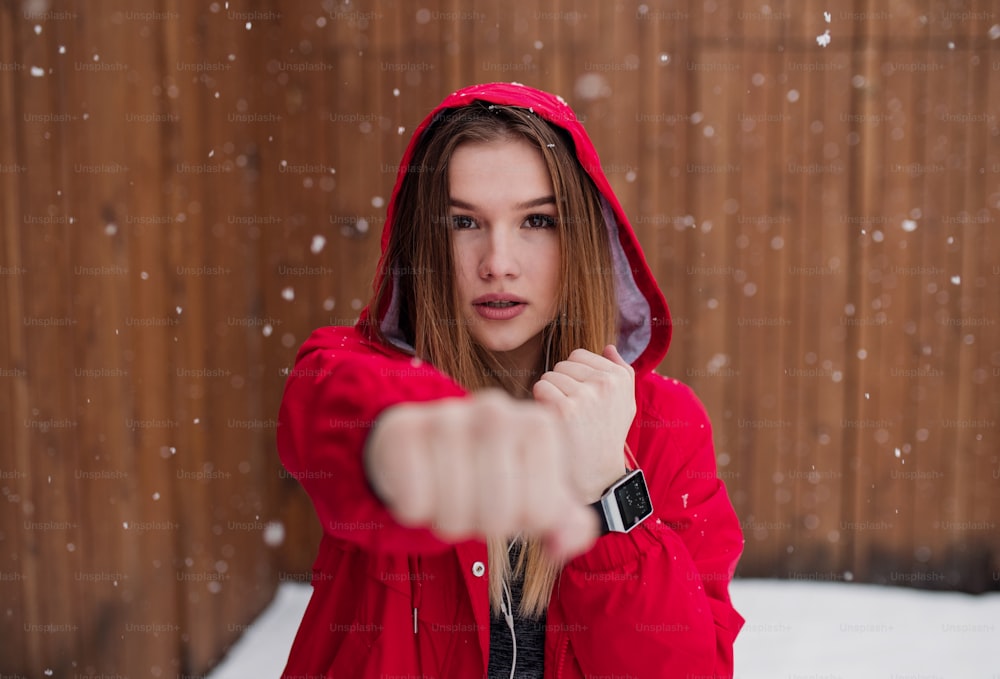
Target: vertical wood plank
(18,551)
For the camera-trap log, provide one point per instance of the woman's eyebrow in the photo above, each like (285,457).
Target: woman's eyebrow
(544,200)
(534,202)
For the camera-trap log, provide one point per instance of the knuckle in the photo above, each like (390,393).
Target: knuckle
(407,509)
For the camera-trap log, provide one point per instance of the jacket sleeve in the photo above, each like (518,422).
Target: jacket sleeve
(658,597)
(330,403)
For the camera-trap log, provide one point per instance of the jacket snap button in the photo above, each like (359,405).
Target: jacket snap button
(478,569)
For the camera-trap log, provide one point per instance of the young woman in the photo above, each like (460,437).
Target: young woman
(472,445)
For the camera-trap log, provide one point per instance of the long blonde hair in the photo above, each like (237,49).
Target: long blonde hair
(419,253)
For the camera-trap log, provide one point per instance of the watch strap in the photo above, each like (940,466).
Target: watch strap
(602,516)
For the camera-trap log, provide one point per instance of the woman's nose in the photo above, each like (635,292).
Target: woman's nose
(499,258)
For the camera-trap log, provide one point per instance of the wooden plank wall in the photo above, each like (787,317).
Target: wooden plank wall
(188,189)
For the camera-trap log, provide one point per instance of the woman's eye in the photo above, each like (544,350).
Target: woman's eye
(540,221)
(462,222)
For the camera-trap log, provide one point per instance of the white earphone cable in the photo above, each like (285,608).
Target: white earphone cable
(508,613)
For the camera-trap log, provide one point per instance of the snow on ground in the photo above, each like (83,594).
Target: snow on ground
(794,630)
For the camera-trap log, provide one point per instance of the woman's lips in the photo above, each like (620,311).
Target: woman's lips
(499,313)
(498,308)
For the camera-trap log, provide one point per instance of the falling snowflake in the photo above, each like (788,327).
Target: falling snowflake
(824,39)
(274,533)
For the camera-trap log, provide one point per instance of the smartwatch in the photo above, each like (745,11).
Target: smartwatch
(625,504)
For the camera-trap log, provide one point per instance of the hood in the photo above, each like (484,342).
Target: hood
(644,320)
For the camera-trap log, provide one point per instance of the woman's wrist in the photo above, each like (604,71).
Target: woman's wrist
(596,494)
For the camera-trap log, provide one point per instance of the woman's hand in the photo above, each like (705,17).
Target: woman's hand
(485,465)
(595,396)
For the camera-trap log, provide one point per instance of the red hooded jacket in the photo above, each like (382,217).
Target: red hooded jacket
(390,600)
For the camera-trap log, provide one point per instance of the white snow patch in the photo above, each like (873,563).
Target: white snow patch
(824,39)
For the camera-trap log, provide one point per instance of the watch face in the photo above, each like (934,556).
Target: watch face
(633,500)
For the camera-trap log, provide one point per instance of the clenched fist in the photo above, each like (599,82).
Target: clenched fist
(484,465)
(595,397)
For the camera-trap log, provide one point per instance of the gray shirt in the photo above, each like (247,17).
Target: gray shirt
(530,633)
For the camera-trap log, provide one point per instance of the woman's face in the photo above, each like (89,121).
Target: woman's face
(506,246)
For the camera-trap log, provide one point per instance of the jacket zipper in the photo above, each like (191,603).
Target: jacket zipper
(562,657)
